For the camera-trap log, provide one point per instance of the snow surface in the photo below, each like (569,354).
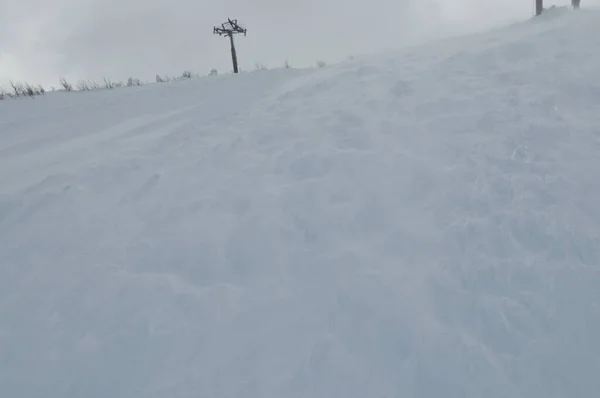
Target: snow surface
(419,224)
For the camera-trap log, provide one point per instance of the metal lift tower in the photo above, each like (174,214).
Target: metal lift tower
(229,29)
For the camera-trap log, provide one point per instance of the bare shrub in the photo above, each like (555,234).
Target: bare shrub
(321,64)
(261,66)
(83,85)
(109,84)
(163,79)
(30,90)
(18,89)
(213,72)
(66,85)
(88,85)
(133,82)
(22,90)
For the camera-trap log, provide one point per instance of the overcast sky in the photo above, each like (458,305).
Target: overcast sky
(41,40)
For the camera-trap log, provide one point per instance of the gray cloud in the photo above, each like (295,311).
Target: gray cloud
(41,40)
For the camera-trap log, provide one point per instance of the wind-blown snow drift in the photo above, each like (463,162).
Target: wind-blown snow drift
(425,224)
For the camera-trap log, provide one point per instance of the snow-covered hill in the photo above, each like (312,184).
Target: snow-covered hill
(423,224)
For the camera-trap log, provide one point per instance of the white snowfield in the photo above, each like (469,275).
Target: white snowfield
(420,224)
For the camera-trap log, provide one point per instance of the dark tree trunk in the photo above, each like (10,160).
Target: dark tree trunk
(233,55)
(539,6)
(575,3)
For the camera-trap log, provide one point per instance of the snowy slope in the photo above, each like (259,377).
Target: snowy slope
(423,224)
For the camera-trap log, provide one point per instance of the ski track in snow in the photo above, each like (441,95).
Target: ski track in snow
(419,224)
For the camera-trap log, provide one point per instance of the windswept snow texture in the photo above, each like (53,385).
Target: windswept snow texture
(424,224)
